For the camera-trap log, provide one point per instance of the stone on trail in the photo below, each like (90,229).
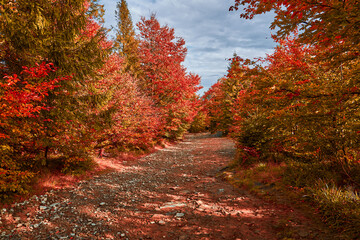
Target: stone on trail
(43,207)
(179,215)
(173,205)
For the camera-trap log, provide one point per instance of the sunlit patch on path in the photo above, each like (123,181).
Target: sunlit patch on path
(171,194)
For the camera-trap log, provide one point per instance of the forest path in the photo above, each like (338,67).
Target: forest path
(171,194)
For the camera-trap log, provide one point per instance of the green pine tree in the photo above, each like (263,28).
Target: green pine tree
(126,42)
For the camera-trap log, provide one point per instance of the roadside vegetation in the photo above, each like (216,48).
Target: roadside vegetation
(68,93)
(294,114)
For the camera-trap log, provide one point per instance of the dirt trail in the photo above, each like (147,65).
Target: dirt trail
(171,194)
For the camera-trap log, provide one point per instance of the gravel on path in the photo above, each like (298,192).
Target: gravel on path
(173,193)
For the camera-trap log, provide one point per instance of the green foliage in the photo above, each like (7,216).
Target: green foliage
(126,42)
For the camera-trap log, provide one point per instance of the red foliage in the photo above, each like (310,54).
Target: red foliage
(166,80)
(22,96)
(92,30)
(134,120)
(292,56)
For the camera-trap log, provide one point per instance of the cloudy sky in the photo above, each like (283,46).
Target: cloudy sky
(212,33)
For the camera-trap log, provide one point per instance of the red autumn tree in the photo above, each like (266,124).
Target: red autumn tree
(128,119)
(212,100)
(165,78)
(22,98)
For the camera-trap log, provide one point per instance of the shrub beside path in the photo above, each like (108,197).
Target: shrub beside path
(173,193)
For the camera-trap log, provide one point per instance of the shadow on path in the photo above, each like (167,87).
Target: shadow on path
(170,194)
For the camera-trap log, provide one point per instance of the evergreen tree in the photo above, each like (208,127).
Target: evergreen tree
(126,42)
(63,33)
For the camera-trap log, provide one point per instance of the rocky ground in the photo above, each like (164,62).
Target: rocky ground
(173,193)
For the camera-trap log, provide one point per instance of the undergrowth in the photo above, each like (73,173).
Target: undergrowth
(319,187)
(61,172)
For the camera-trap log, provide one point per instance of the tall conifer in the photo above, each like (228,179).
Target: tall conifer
(126,42)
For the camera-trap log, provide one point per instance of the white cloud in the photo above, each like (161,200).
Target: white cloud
(212,33)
